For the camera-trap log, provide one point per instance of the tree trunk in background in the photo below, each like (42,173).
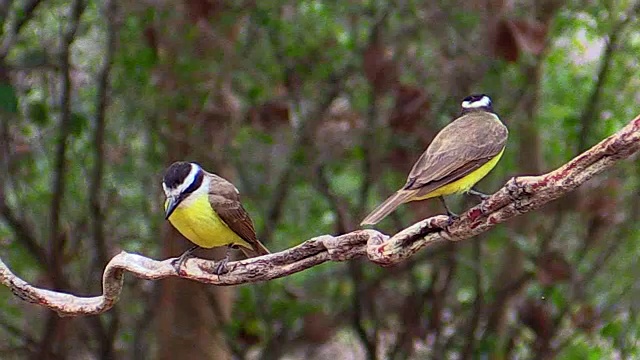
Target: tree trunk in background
(530,159)
(189,324)
(510,280)
(193,315)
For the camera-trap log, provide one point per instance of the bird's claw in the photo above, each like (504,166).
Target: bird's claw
(177,265)
(452,217)
(482,196)
(221,267)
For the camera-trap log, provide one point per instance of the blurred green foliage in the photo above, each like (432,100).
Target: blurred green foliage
(177,68)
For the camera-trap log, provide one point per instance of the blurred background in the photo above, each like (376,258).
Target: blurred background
(316,111)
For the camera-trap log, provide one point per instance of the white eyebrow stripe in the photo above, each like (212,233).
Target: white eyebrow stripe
(189,179)
(484,101)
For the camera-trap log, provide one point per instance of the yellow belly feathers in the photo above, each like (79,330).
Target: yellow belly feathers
(196,220)
(466,183)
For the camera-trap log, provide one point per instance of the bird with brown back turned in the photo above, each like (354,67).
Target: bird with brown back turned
(459,156)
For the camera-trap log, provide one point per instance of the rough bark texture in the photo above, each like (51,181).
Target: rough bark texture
(520,195)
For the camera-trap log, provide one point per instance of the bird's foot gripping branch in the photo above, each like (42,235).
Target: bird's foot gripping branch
(520,195)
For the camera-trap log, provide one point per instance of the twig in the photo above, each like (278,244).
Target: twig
(412,308)
(55,240)
(623,231)
(22,16)
(340,206)
(441,286)
(495,309)
(284,181)
(95,188)
(18,332)
(5,6)
(518,196)
(563,341)
(476,309)
(595,266)
(589,115)
(369,339)
(138,345)
(370,135)
(368,152)
(23,232)
(302,139)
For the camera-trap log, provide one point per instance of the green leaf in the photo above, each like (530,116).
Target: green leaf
(8,98)
(39,113)
(612,329)
(558,297)
(79,122)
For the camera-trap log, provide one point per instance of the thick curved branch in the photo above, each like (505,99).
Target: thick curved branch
(520,195)
(296,259)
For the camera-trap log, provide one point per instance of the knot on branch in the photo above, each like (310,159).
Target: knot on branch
(347,246)
(521,186)
(386,251)
(619,149)
(519,190)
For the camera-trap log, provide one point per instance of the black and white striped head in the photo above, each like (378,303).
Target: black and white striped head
(180,180)
(477,102)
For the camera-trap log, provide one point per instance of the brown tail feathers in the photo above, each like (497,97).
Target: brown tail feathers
(257,249)
(384,209)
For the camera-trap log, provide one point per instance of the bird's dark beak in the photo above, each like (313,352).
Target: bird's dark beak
(170,205)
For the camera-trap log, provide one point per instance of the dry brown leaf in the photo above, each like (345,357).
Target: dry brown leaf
(511,37)
(317,328)
(530,35)
(270,115)
(379,68)
(504,42)
(537,316)
(553,268)
(411,106)
(585,318)
(203,9)
(339,130)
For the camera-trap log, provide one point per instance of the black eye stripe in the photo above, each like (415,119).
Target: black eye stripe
(195,184)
